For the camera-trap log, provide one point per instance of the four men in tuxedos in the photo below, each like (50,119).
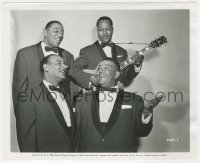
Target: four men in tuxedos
(110,120)
(44,118)
(44,115)
(27,73)
(91,55)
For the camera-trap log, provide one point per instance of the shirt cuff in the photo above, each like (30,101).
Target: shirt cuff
(137,69)
(147,119)
(90,84)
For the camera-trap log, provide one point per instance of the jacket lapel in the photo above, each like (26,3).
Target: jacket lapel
(100,50)
(40,52)
(114,53)
(102,53)
(115,112)
(95,112)
(60,52)
(113,117)
(56,109)
(73,122)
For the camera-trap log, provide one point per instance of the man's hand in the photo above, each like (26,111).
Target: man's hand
(92,72)
(94,82)
(138,59)
(120,85)
(152,104)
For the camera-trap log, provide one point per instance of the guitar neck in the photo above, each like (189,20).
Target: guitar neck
(131,60)
(154,44)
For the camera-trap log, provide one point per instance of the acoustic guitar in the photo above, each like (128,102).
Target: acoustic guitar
(154,44)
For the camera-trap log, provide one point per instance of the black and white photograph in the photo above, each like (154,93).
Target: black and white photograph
(109,80)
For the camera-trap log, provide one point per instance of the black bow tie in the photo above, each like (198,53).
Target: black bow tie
(51,49)
(53,88)
(103,45)
(108,89)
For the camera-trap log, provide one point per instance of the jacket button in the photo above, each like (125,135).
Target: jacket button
(102,140)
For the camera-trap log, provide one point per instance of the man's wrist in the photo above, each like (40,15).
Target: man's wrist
(94,80)
(137,67)
(147,112)
(146,118)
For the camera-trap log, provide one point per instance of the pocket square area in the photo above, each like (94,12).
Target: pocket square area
(126,106)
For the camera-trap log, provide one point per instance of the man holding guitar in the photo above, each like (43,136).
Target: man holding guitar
(90,56)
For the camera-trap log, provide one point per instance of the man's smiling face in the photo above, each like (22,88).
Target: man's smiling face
(107,73)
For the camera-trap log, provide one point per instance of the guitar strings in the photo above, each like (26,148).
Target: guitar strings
(139,43)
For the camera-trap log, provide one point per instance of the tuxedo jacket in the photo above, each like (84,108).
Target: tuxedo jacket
(121,131)
(40,123)
(90,57)
(27,73)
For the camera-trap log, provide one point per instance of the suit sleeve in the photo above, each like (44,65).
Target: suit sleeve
(141,128)
(81,78)
(20,77)
(129,73)
(26,125)
(74,89)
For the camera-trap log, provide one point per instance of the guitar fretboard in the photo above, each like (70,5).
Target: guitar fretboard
(154,44)
(131,60)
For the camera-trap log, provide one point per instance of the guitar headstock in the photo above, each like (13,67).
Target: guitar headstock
(158,42)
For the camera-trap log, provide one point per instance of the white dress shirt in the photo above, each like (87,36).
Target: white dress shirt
(45,52)
(107,50)
(106,103)
(59,98)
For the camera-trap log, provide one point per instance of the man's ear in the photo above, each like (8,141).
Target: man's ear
(45,32)
(117,73)
(46,68)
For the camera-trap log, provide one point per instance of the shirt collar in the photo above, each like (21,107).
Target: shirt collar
(116,86)
(101,42)
(47,84)
(43,46)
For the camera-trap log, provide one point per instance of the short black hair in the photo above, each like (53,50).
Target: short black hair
(52,22)
(104,18)
(117,65)
(44,60)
